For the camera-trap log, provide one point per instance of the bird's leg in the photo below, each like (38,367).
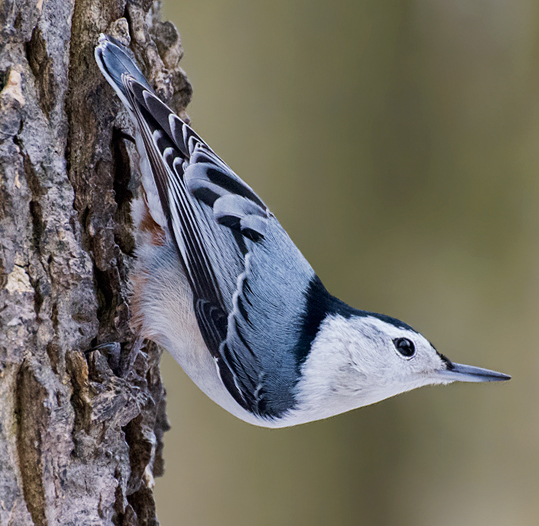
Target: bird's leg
(128,359)
(120,362)
(112,352)
(114,391)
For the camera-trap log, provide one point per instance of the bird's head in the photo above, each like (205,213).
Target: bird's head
(361,359)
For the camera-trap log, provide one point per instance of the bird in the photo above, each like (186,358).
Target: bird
(219,284)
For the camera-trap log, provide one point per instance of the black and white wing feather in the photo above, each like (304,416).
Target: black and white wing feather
(248,279)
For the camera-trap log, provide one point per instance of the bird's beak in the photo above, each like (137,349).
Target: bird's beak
(457,372)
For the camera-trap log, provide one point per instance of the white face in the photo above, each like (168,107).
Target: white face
(359,361)
(385,359)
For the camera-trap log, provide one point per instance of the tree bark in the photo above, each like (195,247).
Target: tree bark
(80,432)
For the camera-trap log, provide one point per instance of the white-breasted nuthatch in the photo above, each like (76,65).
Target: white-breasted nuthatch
(222,287)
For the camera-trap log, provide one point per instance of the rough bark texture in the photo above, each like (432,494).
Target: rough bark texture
(80,438)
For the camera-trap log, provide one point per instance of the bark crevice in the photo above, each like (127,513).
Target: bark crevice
(30,397)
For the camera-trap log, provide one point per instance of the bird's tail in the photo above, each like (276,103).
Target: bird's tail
(115,61)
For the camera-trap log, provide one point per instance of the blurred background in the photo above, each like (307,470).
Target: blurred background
(398,143)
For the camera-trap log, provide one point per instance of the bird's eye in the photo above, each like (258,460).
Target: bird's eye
(404,346)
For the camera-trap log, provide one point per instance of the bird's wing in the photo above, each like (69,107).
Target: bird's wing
(248,278)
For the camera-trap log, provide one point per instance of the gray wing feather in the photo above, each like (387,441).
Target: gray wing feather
(248,278)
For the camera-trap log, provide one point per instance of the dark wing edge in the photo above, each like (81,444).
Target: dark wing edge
(198,192)
(186,168)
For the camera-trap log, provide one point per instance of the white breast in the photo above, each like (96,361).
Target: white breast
(165,315)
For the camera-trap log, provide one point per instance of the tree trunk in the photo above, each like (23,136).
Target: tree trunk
(80,432)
